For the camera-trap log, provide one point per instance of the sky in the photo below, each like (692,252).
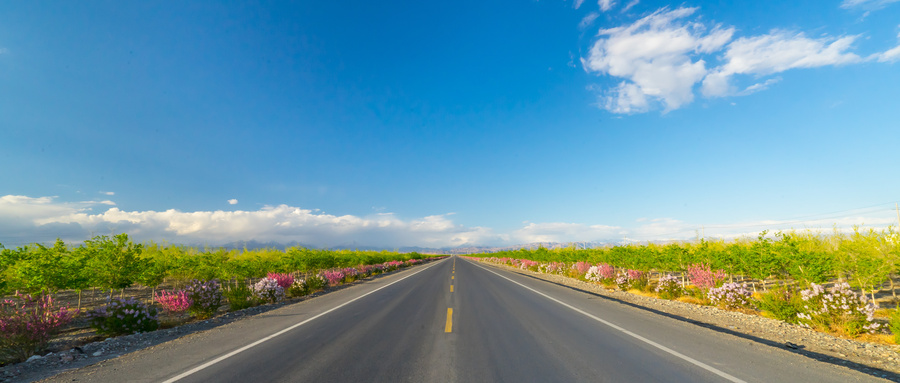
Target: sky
(437,124)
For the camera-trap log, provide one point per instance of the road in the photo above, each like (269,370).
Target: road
(460,321)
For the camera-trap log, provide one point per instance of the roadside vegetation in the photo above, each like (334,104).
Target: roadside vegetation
(839,283)
(119,287)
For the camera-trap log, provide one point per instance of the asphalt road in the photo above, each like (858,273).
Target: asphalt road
(494,326)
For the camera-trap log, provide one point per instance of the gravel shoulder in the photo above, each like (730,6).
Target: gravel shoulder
(874,359)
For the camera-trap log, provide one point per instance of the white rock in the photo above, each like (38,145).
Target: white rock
(34,358)
(98,353)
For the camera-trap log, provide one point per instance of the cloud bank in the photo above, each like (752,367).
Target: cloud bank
(25,220)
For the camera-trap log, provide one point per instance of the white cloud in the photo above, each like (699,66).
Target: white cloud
(28,208)
(107,193)
(655,54)
(232,201)
(630,4)
(866,4)
(25,220)
(606,5)
(577,4)
(776,52)
(890,55)
(563,232)
(627,98)
(659,59)
(104,202)
(758,87)
(587,20)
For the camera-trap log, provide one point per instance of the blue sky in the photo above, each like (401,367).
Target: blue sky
(445,124)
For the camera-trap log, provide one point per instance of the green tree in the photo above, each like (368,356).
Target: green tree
(113,263)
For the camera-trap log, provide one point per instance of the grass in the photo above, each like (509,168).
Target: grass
(692,300)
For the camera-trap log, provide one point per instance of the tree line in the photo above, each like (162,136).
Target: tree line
(115,262)
(865,258)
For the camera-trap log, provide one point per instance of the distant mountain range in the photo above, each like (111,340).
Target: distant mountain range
(254,245)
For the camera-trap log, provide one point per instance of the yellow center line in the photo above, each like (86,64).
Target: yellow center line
(451,288)
(449,326)
(451,277)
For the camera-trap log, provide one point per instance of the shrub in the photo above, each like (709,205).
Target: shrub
(206,297)
(526,264)
(607,271)
(268,290)
(895,325)
(364,270)
(632,279)
(27,324)
(315,283)
(593,274)
(552,268)
(392,265)
(298,288)
(283,279)
(637,279)
(783,303)
(731,296)
(174,302)
(122,317)
(622,281)
(669,287)
(582,267)
(702,276)
(840,310)
(603,272)
(350,274)
(239,296)
(334,277)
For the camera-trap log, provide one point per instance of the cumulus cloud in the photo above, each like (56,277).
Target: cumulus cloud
(656,55)
(26,219)
(659,60)
(776,52)
(232,201)
(606,5)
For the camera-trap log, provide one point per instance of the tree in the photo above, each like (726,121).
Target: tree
(42,269)
(113,263)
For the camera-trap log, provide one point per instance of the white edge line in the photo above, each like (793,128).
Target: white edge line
(627,332)
(242,349)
